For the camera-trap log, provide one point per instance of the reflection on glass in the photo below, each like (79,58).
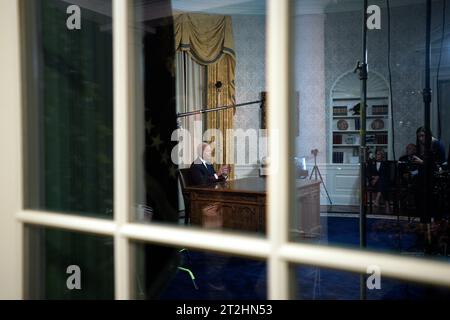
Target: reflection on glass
(314,283)
(68,265)
(200,132)
(328,110)
(184,274)
(69,153)
(156,176)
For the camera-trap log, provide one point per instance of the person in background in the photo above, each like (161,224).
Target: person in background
(437,158)
(410,151)
(202,171)
(378,175)
(437,153)
(407,163)
(408,172)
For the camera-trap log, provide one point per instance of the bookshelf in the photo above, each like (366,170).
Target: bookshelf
(345,126)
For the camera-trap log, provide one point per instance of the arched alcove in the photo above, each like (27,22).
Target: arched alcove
(345,124)
(348,85)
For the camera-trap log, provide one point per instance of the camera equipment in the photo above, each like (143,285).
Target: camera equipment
(316,171)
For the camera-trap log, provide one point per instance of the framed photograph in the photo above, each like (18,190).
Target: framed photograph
(377,124)
(342,124)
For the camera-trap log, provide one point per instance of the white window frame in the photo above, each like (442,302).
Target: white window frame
(275,249)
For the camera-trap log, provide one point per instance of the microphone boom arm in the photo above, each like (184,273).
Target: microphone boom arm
(191,113)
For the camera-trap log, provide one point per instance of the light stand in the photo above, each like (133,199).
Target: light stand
(316,172)
(362,68)
(427,103)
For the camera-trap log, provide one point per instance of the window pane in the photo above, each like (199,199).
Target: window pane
(68,265)
(404,214)
(184,274)
(314,283)
(68,107)
(218,61)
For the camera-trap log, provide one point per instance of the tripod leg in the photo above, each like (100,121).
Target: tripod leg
(312,171)
(321,179)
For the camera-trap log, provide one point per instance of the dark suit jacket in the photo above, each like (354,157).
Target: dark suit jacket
(203,175)
(372,169)
(383,173)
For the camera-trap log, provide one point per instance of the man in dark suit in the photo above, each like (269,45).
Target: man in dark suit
(202,171)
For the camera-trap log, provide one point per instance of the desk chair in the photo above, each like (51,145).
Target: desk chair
(185,181)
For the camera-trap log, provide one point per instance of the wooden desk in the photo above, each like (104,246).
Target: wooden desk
(242,204)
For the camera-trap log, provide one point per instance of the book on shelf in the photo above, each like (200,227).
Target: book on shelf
(337,139)
(338,157)
(381,139)
(357,124)
(379,110)
(340,111)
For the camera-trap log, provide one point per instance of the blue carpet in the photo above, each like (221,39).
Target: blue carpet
(222,277)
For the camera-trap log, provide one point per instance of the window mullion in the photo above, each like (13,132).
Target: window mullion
(11,186)
(280,181)
(123,190)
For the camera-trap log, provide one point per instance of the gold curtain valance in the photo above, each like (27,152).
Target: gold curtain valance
(206,37)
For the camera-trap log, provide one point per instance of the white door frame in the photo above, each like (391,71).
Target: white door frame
(10,161)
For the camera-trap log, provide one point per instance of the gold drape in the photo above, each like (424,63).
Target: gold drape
(209,40)
(222,71)
(206,37)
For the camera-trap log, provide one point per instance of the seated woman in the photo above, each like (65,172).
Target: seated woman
(378,176)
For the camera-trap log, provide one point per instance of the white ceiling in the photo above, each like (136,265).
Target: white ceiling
(149,10)
(153,8)
(259,7)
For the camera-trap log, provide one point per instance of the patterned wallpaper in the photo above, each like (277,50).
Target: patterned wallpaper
(249,38)
(309,83)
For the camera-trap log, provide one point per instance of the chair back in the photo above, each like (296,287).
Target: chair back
(185,178)
(185,181)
